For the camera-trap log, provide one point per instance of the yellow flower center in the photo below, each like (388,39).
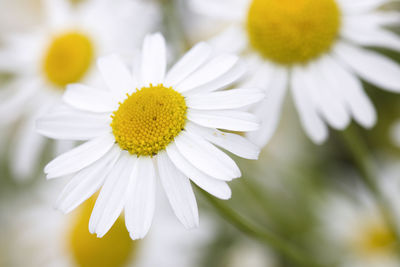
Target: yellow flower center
(375,238)
(149,119)
(292,31)
(115,249)
(68,58)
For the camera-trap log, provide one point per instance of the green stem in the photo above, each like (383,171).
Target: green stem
(265,236)
(367,169)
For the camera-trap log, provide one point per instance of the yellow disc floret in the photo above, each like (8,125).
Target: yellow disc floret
(149,119)
(115,249)
(374,238)
(292,31)
(68,58)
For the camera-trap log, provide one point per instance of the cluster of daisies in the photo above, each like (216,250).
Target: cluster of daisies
(93,77)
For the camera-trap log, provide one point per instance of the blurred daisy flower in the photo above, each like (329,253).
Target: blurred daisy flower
(58,52)
(355,227)
(47,238)
(150,124)
(314,48)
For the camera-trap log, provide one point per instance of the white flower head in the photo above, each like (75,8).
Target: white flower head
(47,238)
(148,125)
(59,51)
(314,48)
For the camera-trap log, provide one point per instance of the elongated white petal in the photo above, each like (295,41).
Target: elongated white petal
(374,19)
(327,99)
(112,196)
(90,99)
(371,66)
(372,37)
(234,143)
(232,40)
(269,110)
(225,119)
(189,63)
(26,151)
(140,203)
(154,60)
(313,125)
(79,157)
(116,75)
(222,9)
(57,12)
(14,96)
(229,99)
(179,192)
(222,82)
(360,6)
(213,186)
(69,124)
(87,181)
(208,72)
(206,157)
(349,86)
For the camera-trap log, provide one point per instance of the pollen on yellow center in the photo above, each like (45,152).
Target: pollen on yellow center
(68,58)
(292,31)
(149,119)
(115,249)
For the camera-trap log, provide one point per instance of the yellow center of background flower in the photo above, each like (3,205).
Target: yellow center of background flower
(149,119)
(292,31)
(375,238)
(115,249)
(68,58)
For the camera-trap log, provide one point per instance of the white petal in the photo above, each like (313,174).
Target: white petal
(87,182)
(67,123)
(79,157)
(140,203)
(112,197)
(222,9)
(222,82)
(58,12)
(225,119)
(234,143)
(313,125)
(229,99)
(372,20)
(90,99)
(208,72)
(154,60)
(179,192)
(116,75)
(360,6)
(27,150)
(14,98)
(372,37)
(371,66)
(269,110)
(351,90)
(189,63)
(213,186)
(206,157)
(232,40)
(326,97)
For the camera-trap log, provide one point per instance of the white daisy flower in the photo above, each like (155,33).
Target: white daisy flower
(314,48)
(152,124)
(355,225)
(60,51)
(47,238)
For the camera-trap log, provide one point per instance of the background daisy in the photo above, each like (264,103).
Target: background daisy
(59,51)
(148,126)
(354,227)
(315,48)
(40,236)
